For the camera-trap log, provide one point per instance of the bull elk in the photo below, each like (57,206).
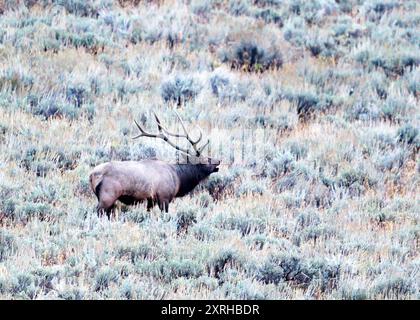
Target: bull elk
(154,181)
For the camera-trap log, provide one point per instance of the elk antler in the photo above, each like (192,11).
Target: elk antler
(164,133)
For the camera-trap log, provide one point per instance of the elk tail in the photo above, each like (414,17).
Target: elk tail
(95,180)
(98,189)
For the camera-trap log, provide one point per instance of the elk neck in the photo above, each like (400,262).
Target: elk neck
(189,176)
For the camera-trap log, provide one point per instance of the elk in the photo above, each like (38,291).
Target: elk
(155,181)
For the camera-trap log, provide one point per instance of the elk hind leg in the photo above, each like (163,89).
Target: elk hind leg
(100,209)
(105,205)
(163,205)
(107,196)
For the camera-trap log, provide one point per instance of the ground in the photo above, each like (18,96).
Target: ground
(312,107)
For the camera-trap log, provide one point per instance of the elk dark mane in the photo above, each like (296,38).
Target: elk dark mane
(189,175)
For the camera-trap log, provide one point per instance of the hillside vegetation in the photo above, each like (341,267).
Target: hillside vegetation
(312,106)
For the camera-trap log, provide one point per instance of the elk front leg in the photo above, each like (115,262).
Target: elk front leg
(161,205)
(150,204)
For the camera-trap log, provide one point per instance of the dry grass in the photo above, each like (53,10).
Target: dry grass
(334,198)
